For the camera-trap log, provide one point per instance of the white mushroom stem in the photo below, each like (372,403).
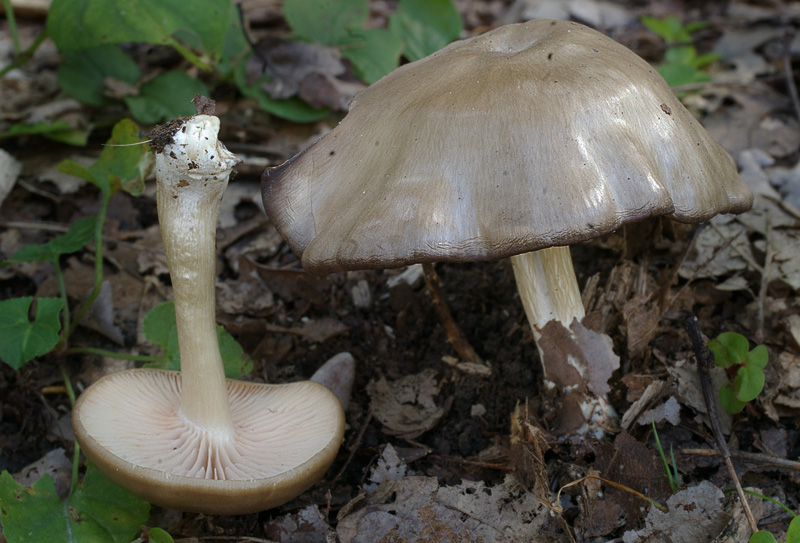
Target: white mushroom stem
(548,287)
(549,290)
(192,173)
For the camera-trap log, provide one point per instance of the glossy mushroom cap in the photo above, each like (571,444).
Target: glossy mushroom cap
(284,438)
(532,135)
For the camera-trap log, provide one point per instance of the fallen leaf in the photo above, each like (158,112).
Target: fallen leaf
(388,467)
(306,526)
(470,512)
(56,464)
(528,447)
(406,407)
(316,331)
(669,411)
(695,514)
(246,296)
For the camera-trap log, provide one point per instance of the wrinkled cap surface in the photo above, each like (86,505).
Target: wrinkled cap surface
(284,439)
(532,135)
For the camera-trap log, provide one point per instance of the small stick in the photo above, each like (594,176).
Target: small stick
(455,335)
(756,458)
(705,359)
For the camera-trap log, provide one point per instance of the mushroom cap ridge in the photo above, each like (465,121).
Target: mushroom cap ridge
(532,135)
(117,419)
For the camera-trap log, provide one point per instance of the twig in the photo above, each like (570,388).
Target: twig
(476,463)
(354,446)
(788,37)
(756,458)
(705,359)
(455,335)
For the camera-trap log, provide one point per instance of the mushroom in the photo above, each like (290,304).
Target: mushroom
(515,143)
(193,440)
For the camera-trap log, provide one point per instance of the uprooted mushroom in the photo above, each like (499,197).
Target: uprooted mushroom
(193,440)
(515,143)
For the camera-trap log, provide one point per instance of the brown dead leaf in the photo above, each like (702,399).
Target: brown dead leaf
(406,407)
(528,447)
(641,316)
(631,463)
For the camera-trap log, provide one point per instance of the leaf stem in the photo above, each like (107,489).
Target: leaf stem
(114,354)
(76,454)
(98,261)
(26,55)
(12,26)
(62,290)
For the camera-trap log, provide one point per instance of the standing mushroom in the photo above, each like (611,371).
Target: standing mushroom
(515,143)
(193,440)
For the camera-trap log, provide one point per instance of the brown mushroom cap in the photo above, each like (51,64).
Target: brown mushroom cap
(532,135)
(284,438)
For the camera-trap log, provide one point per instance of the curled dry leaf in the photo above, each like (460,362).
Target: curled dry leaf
(406,407)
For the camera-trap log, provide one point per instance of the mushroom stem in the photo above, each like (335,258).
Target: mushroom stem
(192,173)
(548,287)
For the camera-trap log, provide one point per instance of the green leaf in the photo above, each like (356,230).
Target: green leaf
(292,109)
(78,235)
(325,21)
(82,74)
(751,383)
(81,24)
(729,349)
(666,28)
(701,61)
(235,48)
(374,53)
(167,96)
(56,130)
(98,511)
(22,340)
(793,533)
(728,400)
(425,25)
(157,535)
(234,359)
(159,327)
(758,357)
(122,163)
(762,536)
(683,54)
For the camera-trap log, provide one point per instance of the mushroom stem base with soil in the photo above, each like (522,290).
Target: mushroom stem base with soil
(549,291)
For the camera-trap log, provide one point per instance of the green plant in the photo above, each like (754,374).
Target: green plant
(673,476)
(92,35)
(745,369)
(682,64)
